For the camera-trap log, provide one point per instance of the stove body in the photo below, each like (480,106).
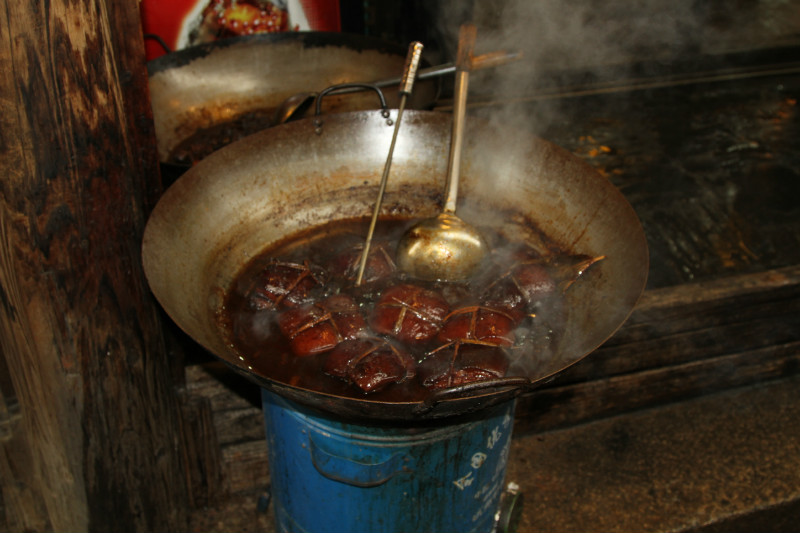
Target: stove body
(329,475)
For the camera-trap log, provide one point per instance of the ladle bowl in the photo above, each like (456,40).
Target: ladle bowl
(442,247)
(446,248)
(293,107)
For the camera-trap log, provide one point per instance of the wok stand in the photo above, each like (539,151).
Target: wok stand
(330,475)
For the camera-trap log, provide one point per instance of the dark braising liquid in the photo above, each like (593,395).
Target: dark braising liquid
(257,338)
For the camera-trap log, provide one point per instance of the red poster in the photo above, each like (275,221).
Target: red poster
(182,23)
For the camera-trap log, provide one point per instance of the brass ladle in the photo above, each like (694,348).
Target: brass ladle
(445,247)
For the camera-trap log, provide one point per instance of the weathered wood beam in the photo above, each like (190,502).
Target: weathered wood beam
(96,443)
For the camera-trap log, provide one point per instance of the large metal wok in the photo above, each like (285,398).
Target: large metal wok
(250,194)
(241,81)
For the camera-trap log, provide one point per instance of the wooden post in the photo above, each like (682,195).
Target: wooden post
(89,421)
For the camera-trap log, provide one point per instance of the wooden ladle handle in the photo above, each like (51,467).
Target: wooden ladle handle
(467,36)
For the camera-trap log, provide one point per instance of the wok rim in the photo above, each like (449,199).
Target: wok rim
(382,410)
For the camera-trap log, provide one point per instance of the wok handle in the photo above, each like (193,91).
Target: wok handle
(157,38)
(349,88)
(462,390)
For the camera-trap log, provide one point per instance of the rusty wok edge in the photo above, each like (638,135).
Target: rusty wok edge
(199,89)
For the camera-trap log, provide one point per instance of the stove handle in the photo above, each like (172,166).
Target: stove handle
(353,472)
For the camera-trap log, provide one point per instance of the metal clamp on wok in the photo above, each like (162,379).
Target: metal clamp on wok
(344,88)
(515,386)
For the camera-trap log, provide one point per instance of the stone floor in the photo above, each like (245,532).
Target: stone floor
(726,462)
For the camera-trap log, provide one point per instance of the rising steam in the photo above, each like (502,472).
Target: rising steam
(563,35)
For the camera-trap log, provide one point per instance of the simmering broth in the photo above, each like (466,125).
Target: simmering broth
(294,314)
